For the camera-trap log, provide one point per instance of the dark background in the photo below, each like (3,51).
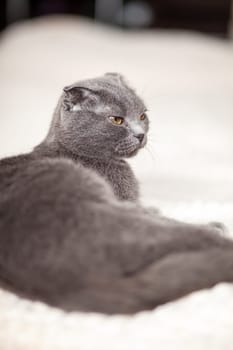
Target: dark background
(210,16)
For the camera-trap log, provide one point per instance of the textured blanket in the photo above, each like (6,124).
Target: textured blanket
(186,170)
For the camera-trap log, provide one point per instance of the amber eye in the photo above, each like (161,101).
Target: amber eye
(142,117)
(117,120)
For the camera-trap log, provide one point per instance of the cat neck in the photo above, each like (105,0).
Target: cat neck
(57,150)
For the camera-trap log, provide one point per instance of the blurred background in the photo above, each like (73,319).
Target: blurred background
(178,54)
(210,16)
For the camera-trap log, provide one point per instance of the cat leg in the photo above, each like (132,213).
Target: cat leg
(130,240)
(156,213)
(166,280)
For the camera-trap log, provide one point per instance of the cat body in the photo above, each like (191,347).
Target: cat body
(72,230)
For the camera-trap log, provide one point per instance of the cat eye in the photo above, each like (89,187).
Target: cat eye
(117,120)
(142,116)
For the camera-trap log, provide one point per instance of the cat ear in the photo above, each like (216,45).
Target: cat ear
(77,95)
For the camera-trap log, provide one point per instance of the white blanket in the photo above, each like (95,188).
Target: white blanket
(187,170)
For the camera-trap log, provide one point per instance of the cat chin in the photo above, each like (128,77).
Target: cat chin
(132,154)
(127,153)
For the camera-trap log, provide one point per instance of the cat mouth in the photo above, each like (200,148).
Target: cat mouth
(129,148)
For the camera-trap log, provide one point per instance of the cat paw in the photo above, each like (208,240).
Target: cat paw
(219,227)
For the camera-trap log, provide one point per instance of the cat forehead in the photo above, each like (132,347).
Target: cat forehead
(116,110)
(120,110)
(113,91)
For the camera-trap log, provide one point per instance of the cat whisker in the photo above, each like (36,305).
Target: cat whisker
(150,153)
(152,137)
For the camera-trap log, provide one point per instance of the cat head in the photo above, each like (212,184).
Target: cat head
(102,118)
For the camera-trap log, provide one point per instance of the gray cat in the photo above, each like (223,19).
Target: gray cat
(72,230)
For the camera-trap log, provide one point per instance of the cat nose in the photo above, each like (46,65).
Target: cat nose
(140,137)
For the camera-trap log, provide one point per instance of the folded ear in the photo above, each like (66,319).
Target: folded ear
(75,96)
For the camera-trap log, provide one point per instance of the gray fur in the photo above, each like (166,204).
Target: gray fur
(72,230)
